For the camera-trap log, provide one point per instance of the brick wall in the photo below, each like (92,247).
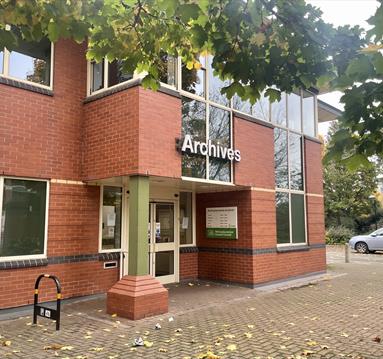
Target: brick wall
(77,279)
(274,266)
(111,135)
(256,143)
(314,173)
(73,226)
(41,135)
(188,266)
(159,126)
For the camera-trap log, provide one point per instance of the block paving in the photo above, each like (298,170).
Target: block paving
(339,316)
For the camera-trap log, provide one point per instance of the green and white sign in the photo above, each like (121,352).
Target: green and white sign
(221,222)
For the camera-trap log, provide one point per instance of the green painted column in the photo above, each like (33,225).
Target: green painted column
(138,261)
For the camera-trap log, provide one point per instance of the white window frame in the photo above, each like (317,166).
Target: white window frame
(5,72)
(289,190)
(206,100)
(123,212)
(193,222)
(34,256)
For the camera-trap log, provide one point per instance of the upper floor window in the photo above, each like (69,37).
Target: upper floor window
(103,75)
(29,62)
(23,218)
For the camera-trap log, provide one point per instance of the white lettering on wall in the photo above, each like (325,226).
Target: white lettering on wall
(209,148)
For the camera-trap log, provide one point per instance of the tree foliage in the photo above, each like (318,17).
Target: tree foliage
(257,44)
(360,134)
(347,192)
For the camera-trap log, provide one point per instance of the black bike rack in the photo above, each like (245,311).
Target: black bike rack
(45,312)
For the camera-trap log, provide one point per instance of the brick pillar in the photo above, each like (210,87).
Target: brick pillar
(138,295)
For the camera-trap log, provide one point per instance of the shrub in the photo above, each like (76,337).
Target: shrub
(338,235)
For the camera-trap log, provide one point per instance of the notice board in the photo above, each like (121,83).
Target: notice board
(221,222)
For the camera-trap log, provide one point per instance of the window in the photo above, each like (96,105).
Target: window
(196,123)
(23,218)
(206,116)
(30,62)
(186,218)
(308,113)
(104,74)
(289,176)
(111,218)
(278,111)
(260,109)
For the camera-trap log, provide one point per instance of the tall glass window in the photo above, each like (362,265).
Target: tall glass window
(117,74)
(216,85)
(278,111)
(111,218)
(294,112)
(168,70)
(289,183)
(23,218)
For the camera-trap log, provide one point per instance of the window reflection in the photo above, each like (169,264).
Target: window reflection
(193,81)
(282,217)
(216,85)
(308,113)
(260,109)
(117,74)
(280,158)
(167,69)
(194,124)
(97,76)
(298,218)
(31,62)
(219,126)
(295,156)
(278,111)
(294,112)
(186,218)
(111,217)
(219,170)
(193,119)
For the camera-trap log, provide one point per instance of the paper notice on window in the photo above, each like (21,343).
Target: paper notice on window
(111,219)
(185,223)
(111,231)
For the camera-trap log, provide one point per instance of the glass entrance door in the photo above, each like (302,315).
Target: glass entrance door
(163,263)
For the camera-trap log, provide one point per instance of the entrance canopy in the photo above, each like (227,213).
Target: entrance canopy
(175,184)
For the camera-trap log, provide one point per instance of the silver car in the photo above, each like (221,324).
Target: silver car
(368,243)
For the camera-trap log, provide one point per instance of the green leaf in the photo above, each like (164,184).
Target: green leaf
(360,68)
(53,31)
(378,63)
(189,12)
(356,161)
(273,94)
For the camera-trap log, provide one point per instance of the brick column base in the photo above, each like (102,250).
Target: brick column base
(137,297)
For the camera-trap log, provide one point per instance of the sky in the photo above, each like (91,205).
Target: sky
(343,12)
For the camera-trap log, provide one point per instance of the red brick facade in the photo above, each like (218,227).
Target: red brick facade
(69,141)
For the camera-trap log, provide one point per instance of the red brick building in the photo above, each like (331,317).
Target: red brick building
(100,178)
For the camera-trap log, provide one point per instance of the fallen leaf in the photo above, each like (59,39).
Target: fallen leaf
(344,335)
(97,349)
(190,284)
(53,347)
(6,343)
(307,352)
(208,355)
(106,330)
(248,335)
(231,347)
(377,339)
(148,344)
(229,336)
(250,326)
(66,347)
(114,315)
(163,350)
(312,343)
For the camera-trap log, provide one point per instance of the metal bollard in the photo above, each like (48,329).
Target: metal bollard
(346,253)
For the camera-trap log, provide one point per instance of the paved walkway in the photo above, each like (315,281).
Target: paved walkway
(338,317)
